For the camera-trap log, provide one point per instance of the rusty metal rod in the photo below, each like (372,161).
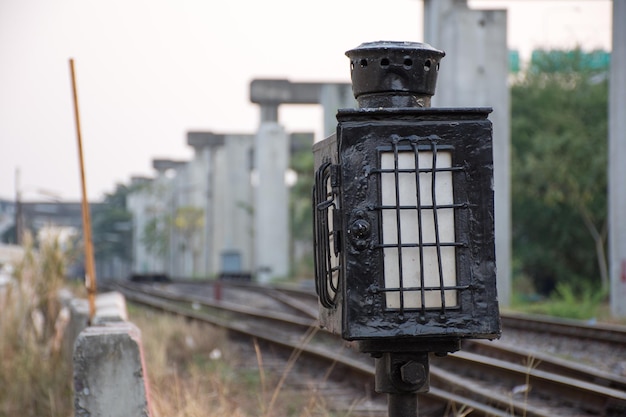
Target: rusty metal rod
(90,278)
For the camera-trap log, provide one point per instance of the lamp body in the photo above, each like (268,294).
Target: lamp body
(404,226)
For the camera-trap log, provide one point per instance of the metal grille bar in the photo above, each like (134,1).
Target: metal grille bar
(423,237)
(326,236)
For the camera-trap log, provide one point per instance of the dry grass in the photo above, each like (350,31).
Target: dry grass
(35,378)
(194,371)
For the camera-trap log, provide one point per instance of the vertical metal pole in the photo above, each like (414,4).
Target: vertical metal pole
(401,376)
(617,168)
(402,405)
(90,281)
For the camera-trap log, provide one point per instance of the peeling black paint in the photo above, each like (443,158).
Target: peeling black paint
(363,314)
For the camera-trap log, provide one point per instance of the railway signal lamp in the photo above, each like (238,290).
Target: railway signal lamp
(404,219)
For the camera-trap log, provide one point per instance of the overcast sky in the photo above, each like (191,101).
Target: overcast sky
(150,70)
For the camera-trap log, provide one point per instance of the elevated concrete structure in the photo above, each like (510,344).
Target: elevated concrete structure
(228,222)
(475,73)
(214,188)
(163,165)
(271,202)
(245,227)
(149,205)
(271,160)
(270,93)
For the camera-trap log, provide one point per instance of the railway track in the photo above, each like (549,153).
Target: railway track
(487,378)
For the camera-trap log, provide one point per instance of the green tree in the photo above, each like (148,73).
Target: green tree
(301,213)
(189,221)
(559,180)
(112,227)
(155,236)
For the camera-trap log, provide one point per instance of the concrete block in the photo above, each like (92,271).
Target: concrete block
(110,306)
(109,378)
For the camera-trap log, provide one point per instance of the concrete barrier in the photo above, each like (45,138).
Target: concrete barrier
(109,376)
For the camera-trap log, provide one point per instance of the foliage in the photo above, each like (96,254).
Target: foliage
(559,181)
(9,235)
(301,214)
(567,301)
(193,367)
(156,232)
(189,220)
(155,237)
(112,230)
(35,373)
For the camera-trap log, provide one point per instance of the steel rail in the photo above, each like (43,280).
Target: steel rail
(355,367)
(602,332)
(220,305)
(545,362)
(581,394)
(439,377)
(565,327)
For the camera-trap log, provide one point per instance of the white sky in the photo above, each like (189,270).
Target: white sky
(150,70)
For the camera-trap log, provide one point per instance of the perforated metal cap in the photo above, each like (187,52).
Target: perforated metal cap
(394,74)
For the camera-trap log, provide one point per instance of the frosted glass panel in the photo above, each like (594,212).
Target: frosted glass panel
(418,268)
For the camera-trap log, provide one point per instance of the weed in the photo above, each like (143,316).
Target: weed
(188,379)
(35,375)
(582,303)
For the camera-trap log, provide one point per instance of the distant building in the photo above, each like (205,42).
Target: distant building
(43,219)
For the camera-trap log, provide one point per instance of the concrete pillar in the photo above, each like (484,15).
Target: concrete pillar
(272,160)
(271,202)
(231,195)
(332,98)
(270,93)
(474,73)
(617,167)
(235,198)
(163,197)
(204,182)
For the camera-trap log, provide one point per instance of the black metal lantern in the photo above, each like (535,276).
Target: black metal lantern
(404,216)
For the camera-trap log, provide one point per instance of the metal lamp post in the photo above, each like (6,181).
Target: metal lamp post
(404,220)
